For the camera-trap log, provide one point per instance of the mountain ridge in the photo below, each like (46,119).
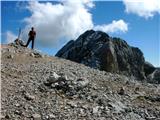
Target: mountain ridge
(98,50)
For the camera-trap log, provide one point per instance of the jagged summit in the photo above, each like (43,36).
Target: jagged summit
(98,50)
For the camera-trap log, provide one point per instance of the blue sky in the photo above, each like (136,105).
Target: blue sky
(142,30)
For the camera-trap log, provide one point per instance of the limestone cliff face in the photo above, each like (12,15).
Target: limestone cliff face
(98,50)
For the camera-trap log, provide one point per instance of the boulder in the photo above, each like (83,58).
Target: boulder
(98,50)
(68,86)
(27,96)
(148,68)
(36,54)
(155,76)
(53,78)
(17,43)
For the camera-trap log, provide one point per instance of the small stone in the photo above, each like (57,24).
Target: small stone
(63,78)
(117,106)
(94,87)
(82,82)
(36,117)
(18,112)
(32,54)
(121,92)
(72,104)
(30,108)
(153,98)
(17,105)
(136,90)
(52,116)
(151,118)
(101,102)
(54,85)
(95,110)
(42,88)
(7,116)
(133,116)
(106,108)
(2,117)
(10,56)
(36,55)
(27,96)
(102,118)
(53,78)
(127,83)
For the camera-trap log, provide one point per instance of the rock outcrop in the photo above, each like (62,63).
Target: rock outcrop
(98,50)
(154,77)
(148,68)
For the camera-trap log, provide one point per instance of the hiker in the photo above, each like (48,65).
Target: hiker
(32,35)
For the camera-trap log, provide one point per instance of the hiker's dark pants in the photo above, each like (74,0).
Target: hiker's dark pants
(29,40)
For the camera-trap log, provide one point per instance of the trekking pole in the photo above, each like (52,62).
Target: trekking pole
(19,33)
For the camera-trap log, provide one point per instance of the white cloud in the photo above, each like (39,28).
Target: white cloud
(10,37)
(114,27)
(57,21)
(66,20)
(143,8)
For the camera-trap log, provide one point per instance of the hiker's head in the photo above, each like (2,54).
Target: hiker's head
(32,28)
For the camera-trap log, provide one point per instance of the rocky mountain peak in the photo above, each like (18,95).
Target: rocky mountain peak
(98,50)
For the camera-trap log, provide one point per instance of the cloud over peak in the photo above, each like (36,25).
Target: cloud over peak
(114,27)
(65,20)
(57,21)
(142,8)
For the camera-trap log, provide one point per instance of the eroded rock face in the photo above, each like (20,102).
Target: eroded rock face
(148,68)
(155,76)
(97,50)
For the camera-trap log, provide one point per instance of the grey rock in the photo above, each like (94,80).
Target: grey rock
(121,91)
(81,82)
(27,96)
(152,118)
(95,109)
(69,86)
(17,43)
(18,112)
(7,116)
(52,116)
(72,104)
(133,116)
(148,68)
(117,106)
(36,55)
(97,50)
(153,98)
(10,56)
(36,117)
(155,76)
(17,105)
(53,78)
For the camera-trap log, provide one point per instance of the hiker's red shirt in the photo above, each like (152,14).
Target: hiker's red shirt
(32,34)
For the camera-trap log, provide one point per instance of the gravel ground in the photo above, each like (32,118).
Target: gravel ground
(35,86)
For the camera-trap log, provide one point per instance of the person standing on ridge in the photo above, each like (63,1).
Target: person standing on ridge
(32,35)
